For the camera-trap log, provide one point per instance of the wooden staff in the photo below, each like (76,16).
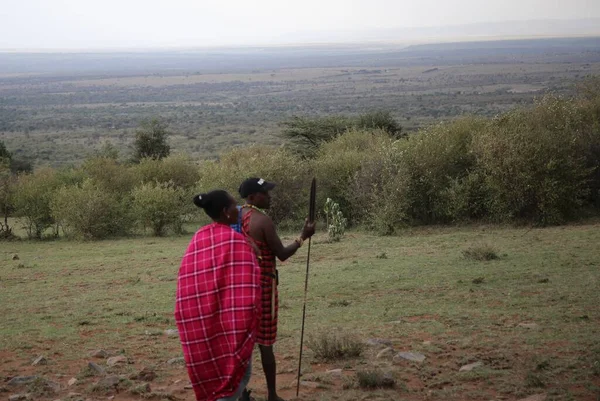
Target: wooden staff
(311,219)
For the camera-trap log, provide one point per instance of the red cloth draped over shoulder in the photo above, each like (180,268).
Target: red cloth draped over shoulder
(218,309)
(267,331)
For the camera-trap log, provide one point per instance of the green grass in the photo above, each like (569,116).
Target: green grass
(118,295)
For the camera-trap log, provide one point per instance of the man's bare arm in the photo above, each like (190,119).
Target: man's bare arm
(274,242)
(285,252)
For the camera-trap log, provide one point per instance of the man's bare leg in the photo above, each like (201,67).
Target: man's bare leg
(267,357)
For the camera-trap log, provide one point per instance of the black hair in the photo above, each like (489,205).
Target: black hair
(213,202)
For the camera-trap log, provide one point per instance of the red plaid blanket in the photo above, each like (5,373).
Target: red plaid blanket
(218,309)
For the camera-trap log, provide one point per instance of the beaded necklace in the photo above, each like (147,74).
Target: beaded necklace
(249,206)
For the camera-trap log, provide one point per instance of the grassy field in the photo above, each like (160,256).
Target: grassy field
(531,316)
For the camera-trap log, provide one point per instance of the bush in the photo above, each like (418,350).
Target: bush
(291,174)
(539,164)
(480,253)
(305,134)
(7,189)
(338,162)
(151,140)
(533,163)
(370,379)
(379,191)
(335,346)
(33,194)
(382,120)
(88,211)
(108,174)
(589,105)
(435,160)
(467,197)
(160,206)
(336,222)
(423,179)
(178,170)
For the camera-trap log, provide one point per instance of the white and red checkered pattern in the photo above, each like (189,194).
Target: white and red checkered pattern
(218,309)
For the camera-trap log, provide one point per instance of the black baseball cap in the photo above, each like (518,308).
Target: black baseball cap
(254,185)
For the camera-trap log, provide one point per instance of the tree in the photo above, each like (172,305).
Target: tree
(151,140)
(4,153)
(89,211)
(32,197)
(159,206)
(380,120)
(20,166)
(16,165)
(7,186)
(307,134)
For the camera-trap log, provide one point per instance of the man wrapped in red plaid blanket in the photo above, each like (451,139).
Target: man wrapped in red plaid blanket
(218,303)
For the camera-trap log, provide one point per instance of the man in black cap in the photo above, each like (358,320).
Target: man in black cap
(260,229)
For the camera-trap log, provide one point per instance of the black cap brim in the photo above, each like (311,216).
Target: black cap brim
(254,185)
(268,186)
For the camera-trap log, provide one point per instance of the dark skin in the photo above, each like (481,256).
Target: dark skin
(229,215)
(263,229)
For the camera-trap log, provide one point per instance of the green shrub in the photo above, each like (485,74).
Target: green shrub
(179,170)
(382,120)
(379,191)
(533,163)
(109,174)
(32,197)
(160,206)
(370,379)
(151,140)
(336,222)
(88,211)
(589,105)
(7,193)
(480,253)
(338,162)
(305,135)
(290,173)
(466,197)
(436,159)
(335,346)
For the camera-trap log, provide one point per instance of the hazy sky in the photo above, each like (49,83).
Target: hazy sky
(133,23)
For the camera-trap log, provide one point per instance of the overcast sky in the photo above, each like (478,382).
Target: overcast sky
(39,24)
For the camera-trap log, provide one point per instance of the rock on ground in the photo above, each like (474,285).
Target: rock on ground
(99,353)
(19,397)
(386,353)
(470,367)
(109,381)
(115,360)
(141,389)
(145,374)
(172,333)
(409,356)
(21,380)
(96,368)
(40,360)
(528,325)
